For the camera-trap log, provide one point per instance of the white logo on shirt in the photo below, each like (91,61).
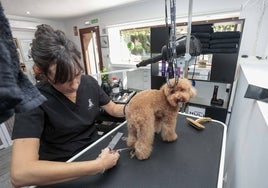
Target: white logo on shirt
(90,104)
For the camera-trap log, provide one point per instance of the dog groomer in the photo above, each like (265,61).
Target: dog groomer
(63,125)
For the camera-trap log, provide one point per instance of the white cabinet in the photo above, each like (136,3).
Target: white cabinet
(246,163)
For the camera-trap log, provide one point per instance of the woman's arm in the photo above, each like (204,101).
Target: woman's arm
(27,169)
(116,110)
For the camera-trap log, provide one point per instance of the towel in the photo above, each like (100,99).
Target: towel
(17,93)
(225,35)
(224,40)
(220,50)
(224,45)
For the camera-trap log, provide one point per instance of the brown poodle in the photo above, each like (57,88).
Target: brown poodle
(155,111)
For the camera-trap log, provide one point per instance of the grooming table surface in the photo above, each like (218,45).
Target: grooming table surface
(194,160)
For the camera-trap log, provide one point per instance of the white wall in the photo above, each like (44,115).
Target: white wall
(246,163)
(255,38)
(23,27)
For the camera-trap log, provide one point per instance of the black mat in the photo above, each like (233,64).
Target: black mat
(190,162)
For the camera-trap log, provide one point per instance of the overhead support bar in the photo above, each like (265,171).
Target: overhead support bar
(189,30)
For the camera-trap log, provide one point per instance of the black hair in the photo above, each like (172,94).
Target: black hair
(50,47)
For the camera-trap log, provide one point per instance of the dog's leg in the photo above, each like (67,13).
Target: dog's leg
(158,126)
(168,131)
(145,138)
(132,135)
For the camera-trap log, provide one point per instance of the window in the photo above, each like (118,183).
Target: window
(134,45)
(227,26)
(130,43)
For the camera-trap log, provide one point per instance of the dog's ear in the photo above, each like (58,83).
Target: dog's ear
(165,88)
(193,92)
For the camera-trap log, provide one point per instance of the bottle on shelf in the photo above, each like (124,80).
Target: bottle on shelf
(115,86)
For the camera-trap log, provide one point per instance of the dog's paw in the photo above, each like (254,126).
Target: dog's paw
(143,154)
(131,143)
(170,137)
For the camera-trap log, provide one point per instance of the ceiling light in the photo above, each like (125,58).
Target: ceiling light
(28,12)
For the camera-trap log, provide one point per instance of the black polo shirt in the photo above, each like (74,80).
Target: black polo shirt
(64,128)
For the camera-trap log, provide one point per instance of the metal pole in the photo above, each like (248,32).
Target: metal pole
(189,27)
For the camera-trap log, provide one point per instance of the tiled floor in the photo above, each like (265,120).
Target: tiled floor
(5,156)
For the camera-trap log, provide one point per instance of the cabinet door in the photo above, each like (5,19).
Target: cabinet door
(223,67)
(219,114)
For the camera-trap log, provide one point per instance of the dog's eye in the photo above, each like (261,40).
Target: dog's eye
(172,91)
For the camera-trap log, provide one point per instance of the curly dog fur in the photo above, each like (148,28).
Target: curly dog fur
(154,111)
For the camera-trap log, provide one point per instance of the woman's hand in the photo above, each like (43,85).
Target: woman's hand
(108,159)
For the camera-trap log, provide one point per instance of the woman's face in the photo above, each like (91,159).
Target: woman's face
(67,87)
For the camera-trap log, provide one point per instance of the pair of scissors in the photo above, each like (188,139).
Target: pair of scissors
(122,149)
(114,141)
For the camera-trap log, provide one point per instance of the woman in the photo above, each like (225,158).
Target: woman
(63,125)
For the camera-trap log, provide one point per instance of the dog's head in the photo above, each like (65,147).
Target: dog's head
(182,92)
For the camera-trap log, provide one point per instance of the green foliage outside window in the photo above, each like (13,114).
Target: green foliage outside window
(137,41)
(220,28)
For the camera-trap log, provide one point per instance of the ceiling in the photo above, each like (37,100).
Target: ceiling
(60,9)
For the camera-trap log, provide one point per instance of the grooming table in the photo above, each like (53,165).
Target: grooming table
(194,160)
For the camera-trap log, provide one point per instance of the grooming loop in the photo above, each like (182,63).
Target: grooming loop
(172,54)
(173,69)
